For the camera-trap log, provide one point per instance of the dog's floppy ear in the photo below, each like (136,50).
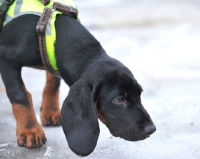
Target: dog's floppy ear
(79,118)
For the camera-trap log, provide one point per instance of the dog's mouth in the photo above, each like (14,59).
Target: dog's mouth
(132,134)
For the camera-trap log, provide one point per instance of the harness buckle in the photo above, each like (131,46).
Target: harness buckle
(40,28)
(71,9)
(4,7)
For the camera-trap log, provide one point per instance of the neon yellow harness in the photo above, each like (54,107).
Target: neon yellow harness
(21,7)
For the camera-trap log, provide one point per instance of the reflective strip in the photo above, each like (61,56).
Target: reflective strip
(17,7)
(8,18)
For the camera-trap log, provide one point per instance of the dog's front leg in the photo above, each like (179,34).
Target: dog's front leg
(29,132)
(50,110)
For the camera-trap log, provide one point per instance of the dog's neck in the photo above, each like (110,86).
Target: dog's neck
(74,43)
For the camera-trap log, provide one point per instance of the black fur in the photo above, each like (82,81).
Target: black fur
(57,85)
(100,86)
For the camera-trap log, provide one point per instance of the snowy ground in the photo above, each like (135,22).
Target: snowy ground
(160,42)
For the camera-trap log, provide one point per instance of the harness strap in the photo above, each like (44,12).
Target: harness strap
(3,9)
(41,27)
(45,2)
(68,10)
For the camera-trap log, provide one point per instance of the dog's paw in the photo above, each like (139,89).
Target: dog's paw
(31,137)
(50,117)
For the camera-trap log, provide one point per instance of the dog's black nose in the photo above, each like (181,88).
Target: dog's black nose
(149,129)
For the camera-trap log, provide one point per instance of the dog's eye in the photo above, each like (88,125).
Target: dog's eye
(119,100)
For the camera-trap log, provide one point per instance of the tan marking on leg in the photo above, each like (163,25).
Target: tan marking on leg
(29,132)
(50,110)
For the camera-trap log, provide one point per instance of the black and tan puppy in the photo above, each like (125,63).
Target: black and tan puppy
(100,87)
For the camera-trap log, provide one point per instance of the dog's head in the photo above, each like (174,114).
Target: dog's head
(109,91)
